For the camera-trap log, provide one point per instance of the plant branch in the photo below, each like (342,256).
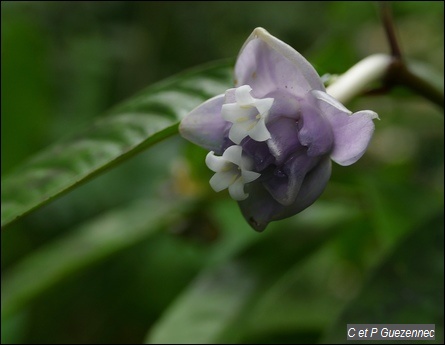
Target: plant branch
(388,25)
(399,74)
(358,78)
(389,70)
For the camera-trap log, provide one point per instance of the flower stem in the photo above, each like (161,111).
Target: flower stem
(359,77)
(390,72)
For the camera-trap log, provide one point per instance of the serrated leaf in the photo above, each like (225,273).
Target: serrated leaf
(137,124)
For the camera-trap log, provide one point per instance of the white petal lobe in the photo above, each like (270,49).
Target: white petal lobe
(247,114)
(231,171)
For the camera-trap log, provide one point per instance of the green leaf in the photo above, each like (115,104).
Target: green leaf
(406,289)
(90,243)
(213,301)
(304,300)
(137,124)
(213,308)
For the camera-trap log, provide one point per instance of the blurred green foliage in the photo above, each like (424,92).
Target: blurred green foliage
(145,252)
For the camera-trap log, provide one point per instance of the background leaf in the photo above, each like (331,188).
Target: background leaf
(151,116)
(217,306)
(407,288)
(91,242)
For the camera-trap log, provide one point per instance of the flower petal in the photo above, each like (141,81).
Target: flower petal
(259,131)
(216,163)
(205,127)
(222,180)
(313,186)
(247,114)
(249,176)
(230,95)
(352,133)
(234,113)
(259,152)
(236,190)
(284,141)
(315,130)
(285,105)
(263,105)
(243,96)
(267,64)
(285,182)
(234,154)
(231,171)
(237,133)
(260,208)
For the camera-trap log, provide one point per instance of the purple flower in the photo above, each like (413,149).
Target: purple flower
(276,132)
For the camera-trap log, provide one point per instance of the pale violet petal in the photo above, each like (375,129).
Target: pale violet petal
(285,105)
(204,125)
(313,186)
(352,136)
(229,95)
(287,180)
(284,139)
(315,132)
(267,64)
(352,133)
(328,100)
(261,208)
(259,154)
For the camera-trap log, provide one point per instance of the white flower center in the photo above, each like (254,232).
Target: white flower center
(231,171)
(248,115)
